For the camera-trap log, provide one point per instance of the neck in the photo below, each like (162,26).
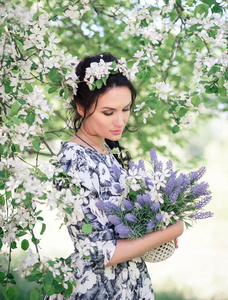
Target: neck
(96,143)
(92,140)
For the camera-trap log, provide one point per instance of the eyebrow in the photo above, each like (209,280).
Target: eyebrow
(110,108)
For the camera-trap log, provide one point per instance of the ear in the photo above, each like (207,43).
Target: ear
(80,110)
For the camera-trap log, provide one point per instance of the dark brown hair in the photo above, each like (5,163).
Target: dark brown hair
(86,98)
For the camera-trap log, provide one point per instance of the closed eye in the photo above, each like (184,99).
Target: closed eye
(110,113)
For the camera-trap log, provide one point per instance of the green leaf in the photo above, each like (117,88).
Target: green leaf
(43,228)
(226,74)
(1,244)
(35,294)
(2,277)
(209,2)
(195,100)
(14,108)
(19,45)
(200,9)
(36,144)
(52,89)
(213,70)
(58,288)
(190,2)
(10,276)
(21,233)
(195,27)
(7,87)
(48,278)
(222,91)
(221,81)
(13,245)
(69,290)
(25,92)
(30,118)
(175,129)
(66,93)
(24,244)
(16,120)
(87,228)
(2,200)
(11,293)
(217,9)
(57,10)
(21,101)
(53,73)
(8,195)
(35,16)
(182,111)
(29,87)
(99,83)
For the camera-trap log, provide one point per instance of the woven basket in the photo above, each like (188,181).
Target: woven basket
(160,253)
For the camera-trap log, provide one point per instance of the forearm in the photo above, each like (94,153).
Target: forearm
(128,249)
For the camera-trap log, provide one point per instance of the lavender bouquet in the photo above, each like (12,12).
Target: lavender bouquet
(155,199)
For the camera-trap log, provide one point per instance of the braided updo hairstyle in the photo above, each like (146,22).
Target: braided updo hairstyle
(87,98)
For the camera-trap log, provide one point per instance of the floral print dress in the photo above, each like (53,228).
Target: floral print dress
(129,280)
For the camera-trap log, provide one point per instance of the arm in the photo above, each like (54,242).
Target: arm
(128,249)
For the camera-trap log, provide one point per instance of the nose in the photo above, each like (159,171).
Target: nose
(119,120)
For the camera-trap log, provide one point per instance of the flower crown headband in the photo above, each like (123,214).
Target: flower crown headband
(97,73)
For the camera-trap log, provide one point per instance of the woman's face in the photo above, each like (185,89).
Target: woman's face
(111,114)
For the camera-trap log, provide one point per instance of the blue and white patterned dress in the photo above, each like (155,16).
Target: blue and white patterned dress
(129,280)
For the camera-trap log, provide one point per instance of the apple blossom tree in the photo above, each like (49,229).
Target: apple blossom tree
(175,52)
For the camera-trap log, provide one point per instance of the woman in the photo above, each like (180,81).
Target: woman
(115,269)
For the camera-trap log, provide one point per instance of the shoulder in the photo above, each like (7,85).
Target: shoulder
(72,157)
(70,154)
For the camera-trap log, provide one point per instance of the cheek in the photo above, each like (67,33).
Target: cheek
(126,117)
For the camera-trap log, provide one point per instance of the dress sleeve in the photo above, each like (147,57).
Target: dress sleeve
(101,242)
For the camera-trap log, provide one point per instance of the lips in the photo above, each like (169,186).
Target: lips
(116,132)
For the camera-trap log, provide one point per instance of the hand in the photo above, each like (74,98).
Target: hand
(176,243)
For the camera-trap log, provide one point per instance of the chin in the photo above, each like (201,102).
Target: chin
(114,139)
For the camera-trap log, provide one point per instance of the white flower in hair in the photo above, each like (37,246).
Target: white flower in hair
(97,71)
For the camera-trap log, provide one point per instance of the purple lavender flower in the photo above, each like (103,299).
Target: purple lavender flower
(144,200)
(203,215)
(116,171)
(197,175)
(179,180)
(155,207)
(147,199)
(148,182)
(170,184)
(203,202)
(124,231)
(153,156)
(132,164)
(173,196)
(131,218)
(151,225)
(118,187)
(103,206)
(185,184)
(128,205)
(141,165)
(107,207)
(112,206)
(169,164)
(114,219)
(159,167)
(158,217)
(200,189)
(140,200)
